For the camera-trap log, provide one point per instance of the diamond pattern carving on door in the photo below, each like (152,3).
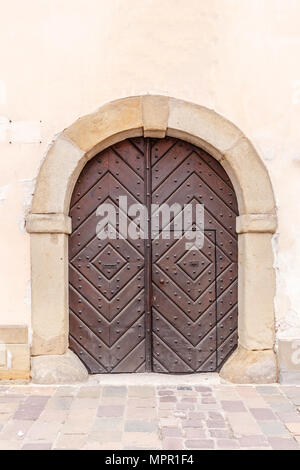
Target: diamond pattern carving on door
(181,315)
(194,292)
(106,293)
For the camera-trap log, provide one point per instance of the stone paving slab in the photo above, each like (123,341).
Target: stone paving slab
(170,417)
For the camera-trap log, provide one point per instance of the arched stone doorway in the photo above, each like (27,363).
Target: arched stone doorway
(157,116)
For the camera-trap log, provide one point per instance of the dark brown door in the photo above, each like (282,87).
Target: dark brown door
(107,292)
(141,305)
(194,291)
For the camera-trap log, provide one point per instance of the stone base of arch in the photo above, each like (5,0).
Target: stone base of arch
(57,369)
(157,116)
(250,367)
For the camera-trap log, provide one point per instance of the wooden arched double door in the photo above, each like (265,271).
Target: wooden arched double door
(151,304)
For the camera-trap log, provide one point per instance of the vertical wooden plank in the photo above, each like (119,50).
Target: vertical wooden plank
(148,258)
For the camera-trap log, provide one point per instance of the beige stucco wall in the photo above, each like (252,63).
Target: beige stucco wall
(61,59)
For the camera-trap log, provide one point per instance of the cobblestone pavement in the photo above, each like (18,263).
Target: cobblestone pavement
(149,417)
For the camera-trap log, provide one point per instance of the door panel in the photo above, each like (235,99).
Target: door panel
(107,276)
(138,305)
(194,291)
(184,316)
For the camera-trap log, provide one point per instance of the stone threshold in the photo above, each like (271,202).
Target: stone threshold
(156,379)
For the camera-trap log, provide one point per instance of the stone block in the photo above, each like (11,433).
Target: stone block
(49,223)
(13,334)
(155,110)
(57,369)
(246,366)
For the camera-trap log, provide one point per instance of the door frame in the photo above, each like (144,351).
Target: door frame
(157,116)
